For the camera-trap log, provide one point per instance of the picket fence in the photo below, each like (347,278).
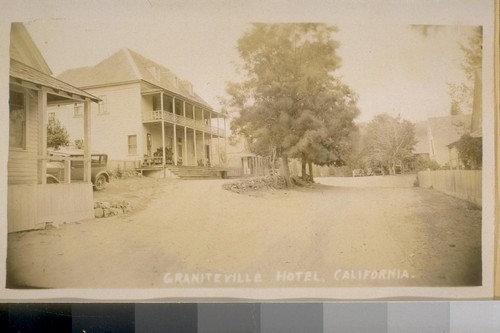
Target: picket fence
(463,184)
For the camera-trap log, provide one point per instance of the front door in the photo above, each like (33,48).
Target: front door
(207,154)
(149,141)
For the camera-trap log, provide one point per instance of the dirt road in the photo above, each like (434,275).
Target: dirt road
(369,231)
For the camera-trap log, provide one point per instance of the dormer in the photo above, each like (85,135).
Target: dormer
(155,71)
(188,86)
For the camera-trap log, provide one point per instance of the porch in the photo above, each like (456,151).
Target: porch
(33,200)
(181,133)
(183,172)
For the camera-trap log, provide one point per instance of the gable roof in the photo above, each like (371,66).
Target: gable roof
(446,130)
(127,66)
(24,50)
(422,145)
(22,72)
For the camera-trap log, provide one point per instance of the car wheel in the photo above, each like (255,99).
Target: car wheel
(100,183)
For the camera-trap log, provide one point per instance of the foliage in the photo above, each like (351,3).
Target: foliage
(57,135)
(422,163)
(470,151)
(462,93)
(289,103)
(389,141)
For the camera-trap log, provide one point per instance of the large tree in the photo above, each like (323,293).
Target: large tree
(389,141)
(462,93)
(289,103)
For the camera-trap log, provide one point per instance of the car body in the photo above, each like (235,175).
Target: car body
(99,164)
(358,173)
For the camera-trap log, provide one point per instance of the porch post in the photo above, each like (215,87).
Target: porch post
(218,139)
(175,132)
(203,140)
(163,159)
(225,136)
(194,137)
(42,137)
(86,141)
(211,141)
(184,158)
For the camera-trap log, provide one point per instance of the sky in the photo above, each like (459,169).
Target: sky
(393,68)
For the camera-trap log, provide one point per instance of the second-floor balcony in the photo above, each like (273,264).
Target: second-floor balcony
(159,115)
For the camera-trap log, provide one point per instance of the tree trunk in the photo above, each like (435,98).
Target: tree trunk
(286,170)
(304,162)
(311,176)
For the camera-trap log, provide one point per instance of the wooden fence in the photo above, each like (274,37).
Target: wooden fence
(463,184)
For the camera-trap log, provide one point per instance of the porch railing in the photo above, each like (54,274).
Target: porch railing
(60,169)
(158,115)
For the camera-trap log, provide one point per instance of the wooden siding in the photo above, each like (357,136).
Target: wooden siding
(110,130)
(21,207)
(22,164)
(32,206)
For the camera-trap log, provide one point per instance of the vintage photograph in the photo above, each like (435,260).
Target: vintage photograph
(251,155)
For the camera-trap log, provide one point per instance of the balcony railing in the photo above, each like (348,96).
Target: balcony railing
(158,115)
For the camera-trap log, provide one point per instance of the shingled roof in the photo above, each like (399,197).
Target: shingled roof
(128,66)
(446,130)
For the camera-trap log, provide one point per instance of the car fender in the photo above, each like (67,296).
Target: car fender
(106,175)
(51,179)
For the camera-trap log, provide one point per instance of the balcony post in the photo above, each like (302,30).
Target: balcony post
(194,137)
(163,159)
(211,140)
(203,137)
(225,136)
(184,146)
(218,140)
(175,132)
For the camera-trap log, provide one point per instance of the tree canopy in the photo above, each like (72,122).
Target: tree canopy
(389,141)
(462,93)
(289,102)
(56,135)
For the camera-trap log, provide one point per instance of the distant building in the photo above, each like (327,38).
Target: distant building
(244,163)
(147,115)
(421,135)
(444,130)
(32,202)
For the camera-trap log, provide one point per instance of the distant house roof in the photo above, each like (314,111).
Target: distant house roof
(446,130)
(239,147)
(128,66)
(22,72)
(422,145)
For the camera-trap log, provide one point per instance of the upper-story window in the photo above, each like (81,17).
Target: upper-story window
(103,105)
(51,117)
(17,120)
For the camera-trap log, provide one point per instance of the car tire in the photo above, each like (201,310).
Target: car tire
(100,183)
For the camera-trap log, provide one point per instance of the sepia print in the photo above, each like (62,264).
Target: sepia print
(257,160)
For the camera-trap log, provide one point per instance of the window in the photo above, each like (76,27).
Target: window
(132,144)
(52,117)
(17,120)
(103,105)
(77,113)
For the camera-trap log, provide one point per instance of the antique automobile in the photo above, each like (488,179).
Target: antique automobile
(358,173)
(99,174)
